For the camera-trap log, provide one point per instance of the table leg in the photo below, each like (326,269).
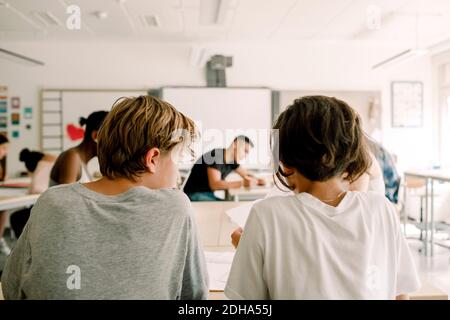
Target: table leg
(425,242)
(405,219)
(432,219)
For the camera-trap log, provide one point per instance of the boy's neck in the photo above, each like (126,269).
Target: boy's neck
(110,187)
(330,192)
(228,155)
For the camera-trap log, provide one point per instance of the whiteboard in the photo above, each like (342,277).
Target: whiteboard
(223,113)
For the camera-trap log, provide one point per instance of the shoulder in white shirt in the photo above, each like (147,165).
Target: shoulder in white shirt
(297,247)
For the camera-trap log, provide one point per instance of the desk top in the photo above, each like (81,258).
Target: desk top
(12,202)
(437,174)
(258,190)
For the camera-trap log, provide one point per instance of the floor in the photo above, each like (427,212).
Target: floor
(435,270)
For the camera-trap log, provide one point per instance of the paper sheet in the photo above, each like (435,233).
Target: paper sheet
(218,265)
(239,215)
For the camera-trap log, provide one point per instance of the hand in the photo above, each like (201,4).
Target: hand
(261,182)
(249,182)
(236,236)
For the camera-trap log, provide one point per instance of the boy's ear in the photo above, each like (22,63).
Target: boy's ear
(94,135)
(151,159)
(287,170)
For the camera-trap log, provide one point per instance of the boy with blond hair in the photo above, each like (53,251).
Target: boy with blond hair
(129,235)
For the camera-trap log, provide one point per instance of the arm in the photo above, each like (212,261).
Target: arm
(402,297)
(216,182)
(246,279)
(195,280)
(249,177)
(16,266)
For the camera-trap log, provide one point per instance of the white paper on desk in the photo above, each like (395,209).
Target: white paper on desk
(218,265)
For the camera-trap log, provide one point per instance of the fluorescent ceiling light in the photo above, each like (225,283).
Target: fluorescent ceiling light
(16,57)
(440,46)
(100,14)
(401,57)
(150,21)
(213,11)
(47,18)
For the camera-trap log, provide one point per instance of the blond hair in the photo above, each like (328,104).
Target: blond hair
(132,128)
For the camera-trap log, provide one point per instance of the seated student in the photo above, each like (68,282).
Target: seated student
(323,242)
(71,165)
(210,170)
(372,179)
(38,166)
(390,176)
(4,147)
(129,235)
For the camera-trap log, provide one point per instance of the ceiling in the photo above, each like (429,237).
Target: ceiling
(400,21)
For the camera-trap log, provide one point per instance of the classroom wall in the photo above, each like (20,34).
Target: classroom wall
(283,66)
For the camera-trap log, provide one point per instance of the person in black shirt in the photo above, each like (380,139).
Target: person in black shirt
(210,170)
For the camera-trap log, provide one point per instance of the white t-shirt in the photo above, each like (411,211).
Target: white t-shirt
(297,247)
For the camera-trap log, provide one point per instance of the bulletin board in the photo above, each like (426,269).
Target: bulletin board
(407,104)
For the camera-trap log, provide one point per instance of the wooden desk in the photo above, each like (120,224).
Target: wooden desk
(428,292)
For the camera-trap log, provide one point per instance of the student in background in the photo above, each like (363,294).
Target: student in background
(131,234)
(323,242)
(389,173)
(210,170)
(71,165)
(38,166)
(4,147)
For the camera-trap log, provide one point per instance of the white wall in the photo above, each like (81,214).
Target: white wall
(282,66)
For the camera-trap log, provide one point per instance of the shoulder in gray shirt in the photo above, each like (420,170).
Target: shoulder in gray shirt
(79,244)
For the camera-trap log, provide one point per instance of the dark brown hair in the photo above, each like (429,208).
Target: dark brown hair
(3,139)
(322,138)
(132,128)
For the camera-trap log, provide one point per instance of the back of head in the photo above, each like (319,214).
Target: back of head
(243,139)
(30,158)
(93,123)
(322,138)
(132,128)
(3,139)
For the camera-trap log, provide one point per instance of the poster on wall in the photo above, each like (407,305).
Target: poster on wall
(28,113)
(15,119)
(3,122)
(407,104)
(15,103)
(3,99)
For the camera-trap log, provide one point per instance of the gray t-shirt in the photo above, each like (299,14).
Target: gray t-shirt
(79,244)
